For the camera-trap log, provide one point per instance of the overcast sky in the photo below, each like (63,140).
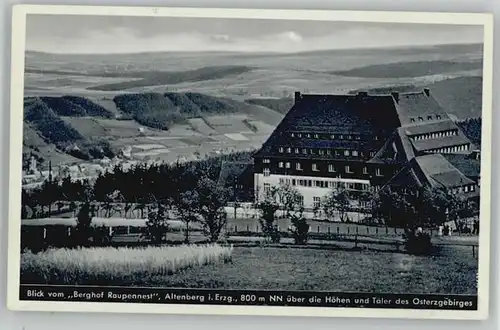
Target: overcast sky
(111,34)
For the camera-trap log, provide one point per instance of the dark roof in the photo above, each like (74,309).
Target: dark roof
(441,173)
(335,114)
(431,171)
(430,127)
(397,149)
(446,141)
(466,164)
(417,104)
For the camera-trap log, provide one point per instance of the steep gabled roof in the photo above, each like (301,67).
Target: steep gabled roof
(397,149)
(431,127)
(440,172)
(446,141)
(431,171)
(418,104)
(335,114)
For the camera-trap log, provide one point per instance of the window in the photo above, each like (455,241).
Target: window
(282,181)
(281,149)
(288,150)
(365,170)
(309,183)
(341,136)
(266,161)
(378,172)
(331,168)
(472,188)
(304,151)
(412,120)
(420,119)
(296,150)
(300,200)
(292,135)
(299,135)
(308,136)
(287,165)
(267,188)
(328,152)
(316,201)
(349,137)
(315,167)
(429,117)
(358,137)
(466,188)
(332,136)
(348,169)
(321,152)
(376,138)
(372,153)
(267,172)
(294,182)
(298,167)
(311,151)
(355,153)
(316,136)
(346,153)
(280,164)
(438,116)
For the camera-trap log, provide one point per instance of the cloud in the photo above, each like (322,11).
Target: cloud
(127,40)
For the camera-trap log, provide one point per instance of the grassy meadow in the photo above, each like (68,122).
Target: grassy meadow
(116,265)
(452,270)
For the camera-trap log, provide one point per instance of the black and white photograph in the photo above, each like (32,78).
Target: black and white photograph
(251,162)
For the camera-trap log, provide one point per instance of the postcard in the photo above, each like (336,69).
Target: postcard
(250,162)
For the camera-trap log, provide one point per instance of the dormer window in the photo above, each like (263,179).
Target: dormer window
(332,136)
(308,136)
(316,136)
(412,120)
(288,150)
(299,135)
(420,119)
(281,149)
(304,151)
(292,134)
(429,117)
(438,116)
(296,150)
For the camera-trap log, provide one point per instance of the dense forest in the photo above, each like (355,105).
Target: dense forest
(472,129)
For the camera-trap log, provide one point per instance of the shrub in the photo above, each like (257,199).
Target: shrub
(300,229)
(418,243)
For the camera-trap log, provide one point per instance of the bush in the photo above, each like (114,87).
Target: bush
(418,243)
(300,229)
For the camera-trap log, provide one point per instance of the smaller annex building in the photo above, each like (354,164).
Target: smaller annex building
(364,142)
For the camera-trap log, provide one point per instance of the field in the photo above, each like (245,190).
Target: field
(451,270)
(111,264)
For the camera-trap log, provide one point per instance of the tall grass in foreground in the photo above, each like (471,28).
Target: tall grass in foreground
(116,265)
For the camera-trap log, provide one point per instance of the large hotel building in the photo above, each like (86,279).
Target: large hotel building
(365,142)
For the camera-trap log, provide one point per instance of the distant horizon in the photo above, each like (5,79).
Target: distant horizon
(246,52)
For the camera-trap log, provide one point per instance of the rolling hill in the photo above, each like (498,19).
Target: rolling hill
(409,69)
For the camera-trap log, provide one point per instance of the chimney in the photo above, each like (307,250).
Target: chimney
(427,92)
(362,93)
(395,95)
(297,96)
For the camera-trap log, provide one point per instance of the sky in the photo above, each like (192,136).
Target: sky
(126,34)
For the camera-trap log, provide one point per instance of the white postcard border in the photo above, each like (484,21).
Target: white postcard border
(16,135)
